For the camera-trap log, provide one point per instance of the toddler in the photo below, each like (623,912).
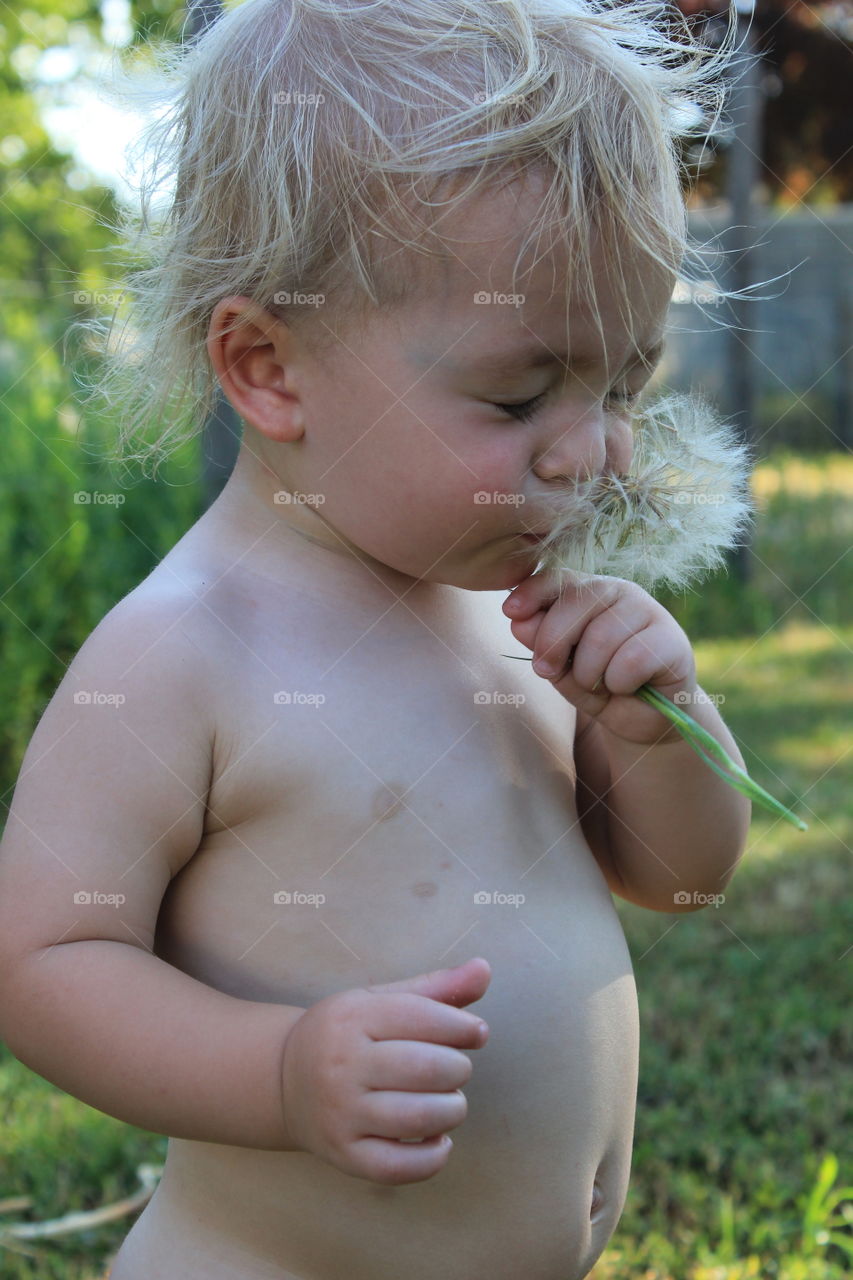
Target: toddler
(328,879)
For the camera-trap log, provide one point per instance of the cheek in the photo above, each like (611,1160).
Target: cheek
(501,471)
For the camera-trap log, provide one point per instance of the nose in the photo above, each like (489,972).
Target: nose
(577,448)
(620,445)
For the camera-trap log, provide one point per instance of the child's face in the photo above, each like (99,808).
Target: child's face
(417,465)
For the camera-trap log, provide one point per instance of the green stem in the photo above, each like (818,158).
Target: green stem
(710,750)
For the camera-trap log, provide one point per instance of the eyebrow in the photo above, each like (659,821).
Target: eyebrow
(536,356)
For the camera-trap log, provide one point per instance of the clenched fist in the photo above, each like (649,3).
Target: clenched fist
(364,1069)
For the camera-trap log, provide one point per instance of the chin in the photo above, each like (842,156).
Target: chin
(498,578)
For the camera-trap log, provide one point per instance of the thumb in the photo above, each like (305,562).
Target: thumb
(459,986)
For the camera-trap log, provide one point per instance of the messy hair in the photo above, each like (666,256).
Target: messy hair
(295,139)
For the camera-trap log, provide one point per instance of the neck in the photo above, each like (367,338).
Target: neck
(277,538)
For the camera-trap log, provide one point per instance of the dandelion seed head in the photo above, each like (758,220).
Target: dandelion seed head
(684,502)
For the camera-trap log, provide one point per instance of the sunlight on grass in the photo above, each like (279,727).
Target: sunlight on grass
(788,700)
(804,477)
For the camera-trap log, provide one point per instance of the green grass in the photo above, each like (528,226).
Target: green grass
(742,1088)
(743,1096)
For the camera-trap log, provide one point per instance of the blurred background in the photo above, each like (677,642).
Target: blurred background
(743,1114)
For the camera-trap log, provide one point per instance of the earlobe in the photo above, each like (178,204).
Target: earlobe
(251,353)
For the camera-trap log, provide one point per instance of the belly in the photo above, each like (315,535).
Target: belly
(539,1170)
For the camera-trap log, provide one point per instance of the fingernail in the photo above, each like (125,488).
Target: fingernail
(544,668)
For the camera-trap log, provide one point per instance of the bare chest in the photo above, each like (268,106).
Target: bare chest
(377,798)
(388,801)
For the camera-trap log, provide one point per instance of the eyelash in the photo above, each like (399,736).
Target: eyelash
(524,411)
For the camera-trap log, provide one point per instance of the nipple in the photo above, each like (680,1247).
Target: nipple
(386,801)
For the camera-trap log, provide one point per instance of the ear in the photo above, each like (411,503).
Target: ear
(253,355)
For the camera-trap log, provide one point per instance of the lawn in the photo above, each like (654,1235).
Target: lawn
(743,1102)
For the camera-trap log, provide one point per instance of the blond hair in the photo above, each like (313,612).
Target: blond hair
(296,137)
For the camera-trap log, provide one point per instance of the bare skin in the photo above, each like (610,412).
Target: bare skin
(404,767)
(398,831)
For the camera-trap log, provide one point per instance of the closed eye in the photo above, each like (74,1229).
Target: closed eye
(524,411)
(619,397)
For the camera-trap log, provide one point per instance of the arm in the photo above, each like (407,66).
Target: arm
(123,1031)
(110,800)
(657,819)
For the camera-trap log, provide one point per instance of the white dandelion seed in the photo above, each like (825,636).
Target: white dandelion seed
(684,501)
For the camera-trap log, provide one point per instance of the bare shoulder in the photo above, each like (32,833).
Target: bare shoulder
(160,634)
(110,800)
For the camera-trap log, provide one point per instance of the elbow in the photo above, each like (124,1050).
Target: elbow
(685,901)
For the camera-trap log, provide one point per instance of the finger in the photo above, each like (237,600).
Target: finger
(526,629)
(421,1068)
(410,1017)
(393,1163)
(536,592)
(601,640)
(590,701)
(566,622)
(647,655)
(410,1115)
(458,986)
